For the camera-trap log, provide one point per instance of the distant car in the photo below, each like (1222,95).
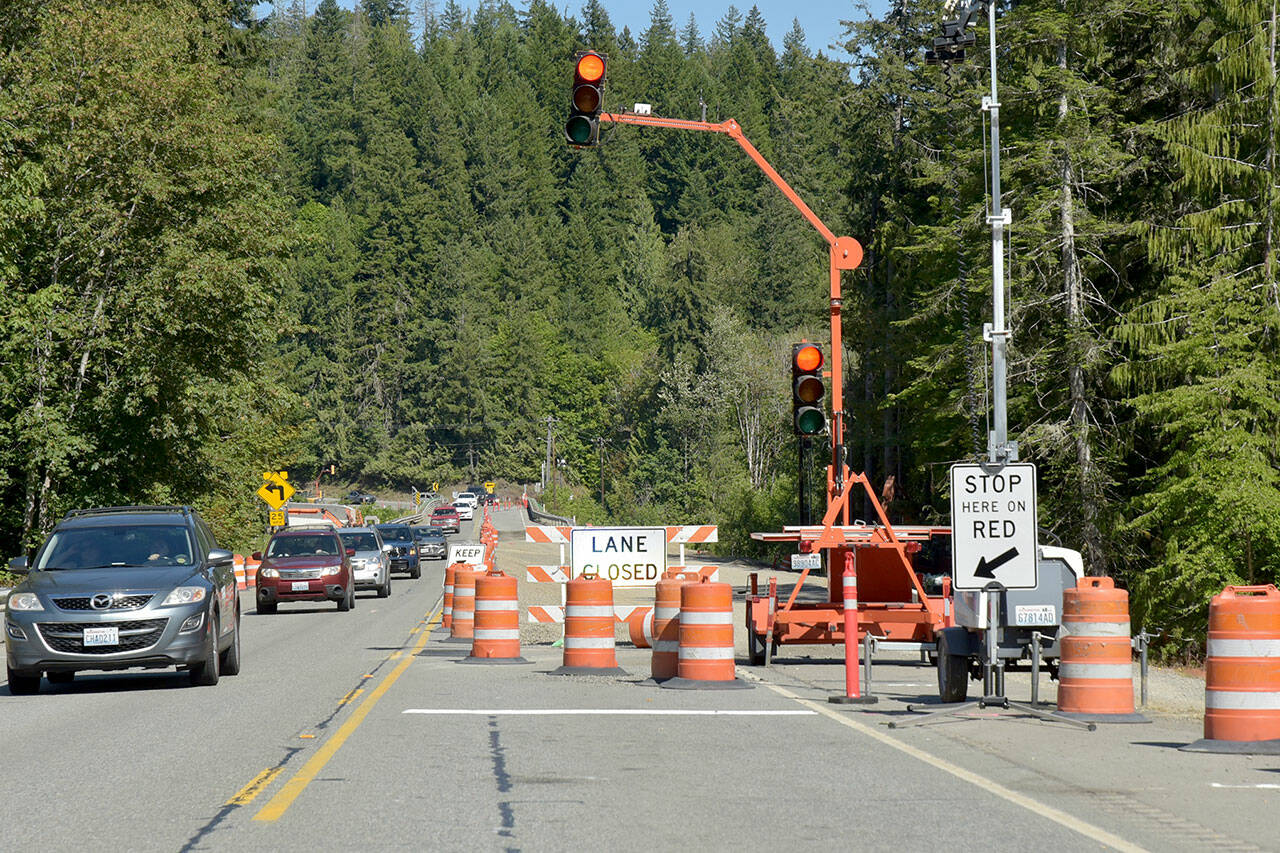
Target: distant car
(358,497)
(446,518)
(370,561)
(305,565)
(124,587)
(402,550)
(462,499)
(466,512)
(431,543)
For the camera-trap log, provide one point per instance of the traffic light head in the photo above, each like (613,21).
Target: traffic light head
(807,390)
(583,126)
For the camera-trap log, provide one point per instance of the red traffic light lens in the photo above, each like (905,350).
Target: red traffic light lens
(590,67)
(807,358)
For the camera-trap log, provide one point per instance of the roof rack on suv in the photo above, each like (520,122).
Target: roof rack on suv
(103,510)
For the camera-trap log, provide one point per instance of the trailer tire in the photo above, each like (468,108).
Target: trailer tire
(953,668)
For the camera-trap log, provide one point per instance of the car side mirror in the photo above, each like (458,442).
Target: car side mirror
(257,555)
(351,552)
(220,557)
(18,565)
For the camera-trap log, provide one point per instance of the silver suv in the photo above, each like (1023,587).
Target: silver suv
(370,564)
(119,588)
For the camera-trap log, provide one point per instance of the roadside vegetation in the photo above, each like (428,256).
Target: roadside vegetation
(357,238)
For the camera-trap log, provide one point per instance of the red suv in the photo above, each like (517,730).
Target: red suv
(446,518)
(305,565)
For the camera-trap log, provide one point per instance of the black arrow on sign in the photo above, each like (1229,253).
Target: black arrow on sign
(988,570)
(278,489)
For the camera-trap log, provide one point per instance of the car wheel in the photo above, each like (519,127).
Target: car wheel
(205,673)
(23,683)
(265,607)
(230,663)
(64,677)
(385,589)
(416,571)
(953,669)
(344,603)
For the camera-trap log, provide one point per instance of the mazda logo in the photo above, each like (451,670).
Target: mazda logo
(101,601)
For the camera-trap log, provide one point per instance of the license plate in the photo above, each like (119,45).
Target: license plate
(1035,614)
(301,586)
(108,635)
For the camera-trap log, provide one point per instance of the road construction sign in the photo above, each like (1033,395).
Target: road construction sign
(628,556)
(993,525)
(275,518)
(276,490)
(489,487)
(466,552)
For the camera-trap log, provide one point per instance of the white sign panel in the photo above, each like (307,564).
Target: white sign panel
(993,525)
(628,556)
(466,552)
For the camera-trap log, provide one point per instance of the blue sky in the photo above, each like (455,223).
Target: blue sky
(820,19)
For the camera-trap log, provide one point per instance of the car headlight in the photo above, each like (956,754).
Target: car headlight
(184,595)
(330,571)
(25,601)
(268,572)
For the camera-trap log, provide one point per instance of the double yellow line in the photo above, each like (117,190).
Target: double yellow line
(279,804)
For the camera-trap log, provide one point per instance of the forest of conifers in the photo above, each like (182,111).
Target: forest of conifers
(357,238)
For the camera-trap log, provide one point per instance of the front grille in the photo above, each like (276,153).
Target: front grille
(299,574)
(119,602)
(69,636)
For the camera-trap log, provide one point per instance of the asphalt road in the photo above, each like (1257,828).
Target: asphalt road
(363,730)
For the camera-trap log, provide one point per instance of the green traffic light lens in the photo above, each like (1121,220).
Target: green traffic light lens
(810,421)
(578,130)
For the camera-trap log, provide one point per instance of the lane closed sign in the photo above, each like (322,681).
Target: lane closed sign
(993,525)
(628,556)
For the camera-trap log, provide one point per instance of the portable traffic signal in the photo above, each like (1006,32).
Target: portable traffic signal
(583,126)
(807,390)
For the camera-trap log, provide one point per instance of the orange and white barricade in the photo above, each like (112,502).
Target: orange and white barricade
(588,629)
(706,655)
(496,636)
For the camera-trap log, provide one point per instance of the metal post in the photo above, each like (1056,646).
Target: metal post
(852,694)
(773,609)
(998,446)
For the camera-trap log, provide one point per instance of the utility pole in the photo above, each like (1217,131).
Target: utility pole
(546,468)
(600,447)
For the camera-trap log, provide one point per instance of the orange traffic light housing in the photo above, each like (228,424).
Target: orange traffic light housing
(583,127)
(807,390)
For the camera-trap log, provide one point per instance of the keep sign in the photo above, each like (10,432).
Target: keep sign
(628,556)
(993,525)
(466,552)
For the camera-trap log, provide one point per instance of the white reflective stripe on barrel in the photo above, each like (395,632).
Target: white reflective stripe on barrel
(588,642)
(583,611)
(1244,648)
(705,653)
(705,618)
(497,633)
(1241,700)
(666,612)
(851,603)
(1095,670)
(448,587)
(666,646)
(448,608)
(465,592)
(497,604)
(1096,629)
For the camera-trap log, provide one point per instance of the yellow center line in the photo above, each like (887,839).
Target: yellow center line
(280,803)
(246,794)
(1058,816)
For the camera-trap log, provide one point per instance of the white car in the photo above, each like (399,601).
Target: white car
(469,499)
(466,512)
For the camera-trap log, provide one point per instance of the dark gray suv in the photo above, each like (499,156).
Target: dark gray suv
(123,587)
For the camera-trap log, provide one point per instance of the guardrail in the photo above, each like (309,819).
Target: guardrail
(540,516)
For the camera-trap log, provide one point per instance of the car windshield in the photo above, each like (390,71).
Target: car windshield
(360,541)
(443,511)
(396,534)
(304,545)
(116,545)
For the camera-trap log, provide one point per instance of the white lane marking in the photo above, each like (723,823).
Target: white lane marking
(1265,785)
(1058,816)
(605,712)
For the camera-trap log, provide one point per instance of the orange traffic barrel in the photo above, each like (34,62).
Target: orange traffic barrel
(588,628)
(464,598)
(446,621)
(1242,673)
(237,563)
(1095,666)
(640,627)
(706,657)
(497,620)
(665,660)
